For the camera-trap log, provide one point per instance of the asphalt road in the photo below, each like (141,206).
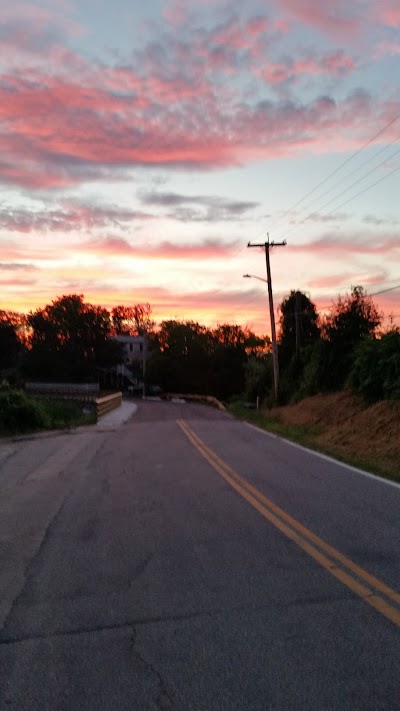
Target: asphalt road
(148,568)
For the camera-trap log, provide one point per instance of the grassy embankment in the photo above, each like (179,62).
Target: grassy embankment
(340,425)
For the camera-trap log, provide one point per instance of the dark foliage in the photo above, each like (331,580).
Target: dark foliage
(18,413)
(70,340)
(189,358)
(298,326)
(351,320)
(376,369)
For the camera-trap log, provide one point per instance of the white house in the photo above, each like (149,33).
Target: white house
(133,348)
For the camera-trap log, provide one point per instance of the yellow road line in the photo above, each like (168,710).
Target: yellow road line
(326,555)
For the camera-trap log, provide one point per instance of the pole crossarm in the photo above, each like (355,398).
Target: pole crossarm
(268,244)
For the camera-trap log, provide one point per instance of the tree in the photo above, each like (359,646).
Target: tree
(352,319)
(376,369)
(190,358)
(298,325)
(10,344)
(232,347)
(132,320)
(258,376)
(70,340)
(180,360)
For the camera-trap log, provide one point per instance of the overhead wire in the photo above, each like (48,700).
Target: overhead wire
(353,172)
(384,291)
(347,201)
(337,169)
(381,179)
(346,190)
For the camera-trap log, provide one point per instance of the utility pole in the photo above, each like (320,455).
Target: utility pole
(144,363)
(267,246)
(297,320)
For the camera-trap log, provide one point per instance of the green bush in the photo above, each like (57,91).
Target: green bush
(319,373)
(18,413)
(376,369)
(258,376)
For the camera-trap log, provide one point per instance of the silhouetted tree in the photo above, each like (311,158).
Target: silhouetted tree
(10,343)
(298,323)
(132,320)
(352,319)
(70,340)
(375,372)
(180,360)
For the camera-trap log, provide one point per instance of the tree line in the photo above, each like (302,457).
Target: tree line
(71,340)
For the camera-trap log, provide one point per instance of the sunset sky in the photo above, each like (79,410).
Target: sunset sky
(143,144)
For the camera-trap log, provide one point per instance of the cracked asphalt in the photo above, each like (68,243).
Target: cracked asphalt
(133,577)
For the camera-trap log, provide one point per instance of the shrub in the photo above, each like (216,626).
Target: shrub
(376,370)
(18,413)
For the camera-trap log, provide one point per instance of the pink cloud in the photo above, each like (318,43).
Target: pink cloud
(336,63)
(388,12)
(116,246)
(236,35)
(343,280)
(70,120)
(387,245)
(58,133)
(336,18)
(387,48)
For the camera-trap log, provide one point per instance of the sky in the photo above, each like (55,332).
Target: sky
(143,145)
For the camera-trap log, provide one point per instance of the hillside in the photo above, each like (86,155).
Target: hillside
(345,427)
(339,424)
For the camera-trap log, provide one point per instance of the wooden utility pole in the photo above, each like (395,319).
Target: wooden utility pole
(275,360)
(297,320)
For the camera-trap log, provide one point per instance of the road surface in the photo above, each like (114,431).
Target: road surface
(187,561)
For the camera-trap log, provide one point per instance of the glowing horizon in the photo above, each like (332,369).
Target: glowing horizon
(143,147)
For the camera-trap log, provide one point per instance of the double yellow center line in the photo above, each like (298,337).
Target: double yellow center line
(366,586)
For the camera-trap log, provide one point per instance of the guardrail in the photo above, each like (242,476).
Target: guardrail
(107,403)
(84,392)
(209,399)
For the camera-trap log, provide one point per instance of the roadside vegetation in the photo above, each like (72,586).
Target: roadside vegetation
(339,424)
(341,354)
(21,414)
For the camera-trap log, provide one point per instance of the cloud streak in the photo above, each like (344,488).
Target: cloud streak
(207,249)
(70,216)
(384,245)
(212,208)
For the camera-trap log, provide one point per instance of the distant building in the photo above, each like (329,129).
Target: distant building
(133,348)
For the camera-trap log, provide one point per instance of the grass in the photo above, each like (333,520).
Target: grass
(326,436)
(67,413)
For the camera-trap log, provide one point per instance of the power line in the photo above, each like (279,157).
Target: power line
(349,187)
(359,180)
(350,199)
(384,177)
(336,170)
(365,162)
(384,291)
